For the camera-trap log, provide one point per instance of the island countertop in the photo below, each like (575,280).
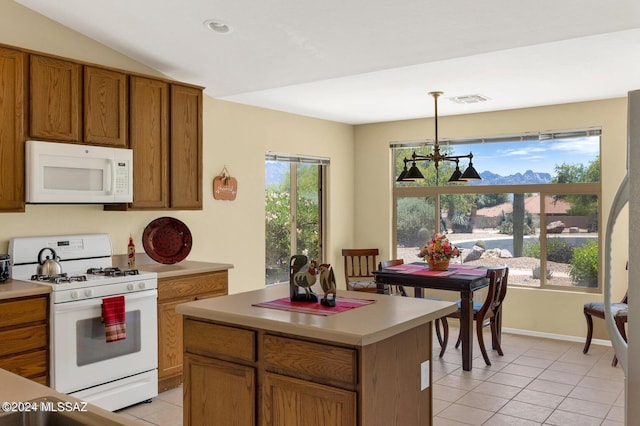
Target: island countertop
(386,317)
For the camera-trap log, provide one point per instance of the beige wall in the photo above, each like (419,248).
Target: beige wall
(540,311)
(359,214)
(234,135)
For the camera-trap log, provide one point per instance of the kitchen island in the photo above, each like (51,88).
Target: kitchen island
(370,365)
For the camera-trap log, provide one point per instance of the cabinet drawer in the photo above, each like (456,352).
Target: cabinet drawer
(311,361)
(192,285)
(23,311)
(219,341)
(23,339)
(32,364)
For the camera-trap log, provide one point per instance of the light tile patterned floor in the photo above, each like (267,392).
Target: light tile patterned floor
(537,382)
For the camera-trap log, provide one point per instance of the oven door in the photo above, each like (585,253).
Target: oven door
(81,357)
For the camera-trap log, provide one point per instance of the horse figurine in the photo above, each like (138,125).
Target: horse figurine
(302,274)
(328,284)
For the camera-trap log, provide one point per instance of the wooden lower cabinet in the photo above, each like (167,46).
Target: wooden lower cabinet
(234,405)
(290,401)
(171,292)
(24,337)
(248,376)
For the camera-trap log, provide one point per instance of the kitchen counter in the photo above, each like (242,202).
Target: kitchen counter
(11,289)
(18,389)
(186,267)
(386,317)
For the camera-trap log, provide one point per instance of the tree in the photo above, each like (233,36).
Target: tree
(581,205)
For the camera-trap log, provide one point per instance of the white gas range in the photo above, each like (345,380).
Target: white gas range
(112,374)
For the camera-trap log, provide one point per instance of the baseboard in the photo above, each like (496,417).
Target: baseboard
(554,336)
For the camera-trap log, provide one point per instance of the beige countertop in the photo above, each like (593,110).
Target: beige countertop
(186,267)
(13,288)
(388,316)
(18,389)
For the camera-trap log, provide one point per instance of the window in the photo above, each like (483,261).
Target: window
(294,217)
(535,209)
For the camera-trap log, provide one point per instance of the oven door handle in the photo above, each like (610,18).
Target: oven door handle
(96,302)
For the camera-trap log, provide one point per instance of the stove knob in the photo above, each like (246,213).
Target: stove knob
(74,294)
(141,286)
(88,292)
(130,287)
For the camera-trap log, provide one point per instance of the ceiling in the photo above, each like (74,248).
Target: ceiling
(363,61)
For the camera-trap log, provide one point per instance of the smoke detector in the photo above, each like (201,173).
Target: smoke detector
(469,99)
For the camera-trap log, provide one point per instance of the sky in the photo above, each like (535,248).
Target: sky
(539,156)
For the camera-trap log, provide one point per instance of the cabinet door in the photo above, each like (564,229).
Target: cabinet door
(13,77)
(169,344)
(292,402)
(219,393)
(186,147)
(149,132)
(54,99)
(105,107)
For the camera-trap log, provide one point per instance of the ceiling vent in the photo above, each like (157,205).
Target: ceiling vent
(469,99)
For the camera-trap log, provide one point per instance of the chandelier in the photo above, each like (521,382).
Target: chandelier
(413,173)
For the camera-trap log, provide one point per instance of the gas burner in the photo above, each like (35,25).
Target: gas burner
(71,279)
(112,272)
(59,278)
(44,277)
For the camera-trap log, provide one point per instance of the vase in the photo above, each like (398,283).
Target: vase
(438,265)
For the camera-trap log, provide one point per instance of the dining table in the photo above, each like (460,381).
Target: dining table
(462,278)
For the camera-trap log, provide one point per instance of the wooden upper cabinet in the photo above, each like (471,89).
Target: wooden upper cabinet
(55,99)
(13,104)
(186,147)
(148,137)
(105,107)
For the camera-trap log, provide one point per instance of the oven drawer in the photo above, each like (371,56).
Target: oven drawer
(311,361)
(23,339)
(192,285)
(29,365)
(219,341)
(23,311)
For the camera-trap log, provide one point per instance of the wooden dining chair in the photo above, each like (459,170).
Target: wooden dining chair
(359,265)
(487,313)
(387,264)
(596,309)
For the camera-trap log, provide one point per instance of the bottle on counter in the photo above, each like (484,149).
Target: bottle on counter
(131,253)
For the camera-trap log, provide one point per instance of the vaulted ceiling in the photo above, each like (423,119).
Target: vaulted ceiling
(362,61)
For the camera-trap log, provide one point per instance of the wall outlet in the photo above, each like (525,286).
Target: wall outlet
(424,375)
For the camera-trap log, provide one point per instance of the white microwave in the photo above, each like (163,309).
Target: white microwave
(63,173)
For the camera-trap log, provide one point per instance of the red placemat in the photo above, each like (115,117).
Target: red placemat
(342,304)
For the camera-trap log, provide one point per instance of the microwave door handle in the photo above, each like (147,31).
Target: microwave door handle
(113,177)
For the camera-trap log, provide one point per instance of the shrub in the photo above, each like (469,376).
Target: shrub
(532,249)
(584,265)
(559,250)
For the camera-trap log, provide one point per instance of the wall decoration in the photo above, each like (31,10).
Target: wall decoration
(225,187)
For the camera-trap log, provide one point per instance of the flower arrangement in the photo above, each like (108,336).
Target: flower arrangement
(438,249)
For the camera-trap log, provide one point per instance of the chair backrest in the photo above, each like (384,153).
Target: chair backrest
(389,263)
(359,264)
(498,278)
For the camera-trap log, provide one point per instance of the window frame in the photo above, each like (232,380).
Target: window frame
(399,191)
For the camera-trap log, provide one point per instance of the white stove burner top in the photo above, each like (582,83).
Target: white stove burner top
(86,266)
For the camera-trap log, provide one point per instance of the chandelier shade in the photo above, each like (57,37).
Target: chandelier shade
(413,173)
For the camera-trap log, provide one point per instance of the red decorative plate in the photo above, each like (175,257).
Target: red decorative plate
(167,240)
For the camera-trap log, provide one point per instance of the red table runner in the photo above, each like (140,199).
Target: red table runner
(342,304)
(423,269)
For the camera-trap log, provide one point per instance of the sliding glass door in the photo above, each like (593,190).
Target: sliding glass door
(293,214)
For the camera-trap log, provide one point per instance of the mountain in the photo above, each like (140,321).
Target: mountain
(528,177)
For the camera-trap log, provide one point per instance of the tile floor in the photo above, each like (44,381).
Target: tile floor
(537,382)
